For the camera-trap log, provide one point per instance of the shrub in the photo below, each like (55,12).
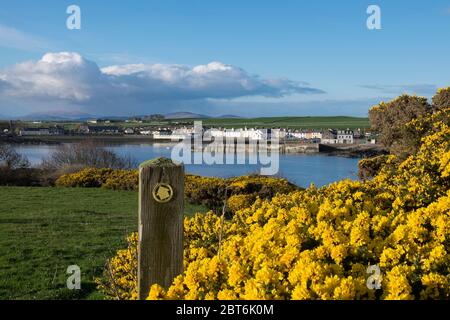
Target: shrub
(318,243)
(441,100)
(49,177)
(96,178)
(87,153)
(122,180)
(240,201)
(262,186)
(120,275)
(403,122)
(11,159)
(15,169)
(370,167)
(390,121)
(21,177)
(210,192)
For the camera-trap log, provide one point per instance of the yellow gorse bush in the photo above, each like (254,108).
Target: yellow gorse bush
(105,178)
(121,272)
(210,192)
(318,243)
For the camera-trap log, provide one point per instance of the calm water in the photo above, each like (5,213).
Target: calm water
(298,168)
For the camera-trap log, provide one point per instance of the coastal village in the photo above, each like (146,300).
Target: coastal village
(181,130)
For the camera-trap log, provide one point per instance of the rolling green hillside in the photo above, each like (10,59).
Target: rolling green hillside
(292,122)
(269,122)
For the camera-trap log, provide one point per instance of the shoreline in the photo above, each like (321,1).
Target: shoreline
(36,140)
(351,151)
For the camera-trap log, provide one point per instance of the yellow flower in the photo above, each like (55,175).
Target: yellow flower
(318,243)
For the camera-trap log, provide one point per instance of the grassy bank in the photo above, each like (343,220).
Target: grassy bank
(293,122)
(44,230)
(337,122)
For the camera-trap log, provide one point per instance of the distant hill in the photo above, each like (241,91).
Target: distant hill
(56,116)
(229,116)
(185,115)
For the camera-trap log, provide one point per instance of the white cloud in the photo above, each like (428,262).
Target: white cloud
(214,80)
(16,39)
(68,77)
(65,76)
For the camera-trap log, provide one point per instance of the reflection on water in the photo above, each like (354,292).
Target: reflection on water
(300,169)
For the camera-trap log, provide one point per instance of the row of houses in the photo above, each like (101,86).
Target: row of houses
(250,134)
(331,136)
(325,137)
(53,131)
(87,129)
(213,133)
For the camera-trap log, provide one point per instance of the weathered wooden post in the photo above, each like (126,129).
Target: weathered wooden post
(161,210)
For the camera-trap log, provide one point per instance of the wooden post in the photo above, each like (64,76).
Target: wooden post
(161,212)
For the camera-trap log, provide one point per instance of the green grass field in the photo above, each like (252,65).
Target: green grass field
(271,122)
(44,230)
(293,122)
(285,122)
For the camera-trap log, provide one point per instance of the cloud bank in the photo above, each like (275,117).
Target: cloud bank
(68,79)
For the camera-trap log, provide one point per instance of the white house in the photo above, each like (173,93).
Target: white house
(278,133)
(316,135)
(313,135)
(34,132)
(252,134)
(329,137)
(299,134)
(170,135)
(184,131)
(345,136)
(226,133)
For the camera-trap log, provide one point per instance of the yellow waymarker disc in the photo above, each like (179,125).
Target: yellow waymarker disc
(162,193)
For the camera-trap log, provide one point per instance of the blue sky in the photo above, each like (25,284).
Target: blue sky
(328,61)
